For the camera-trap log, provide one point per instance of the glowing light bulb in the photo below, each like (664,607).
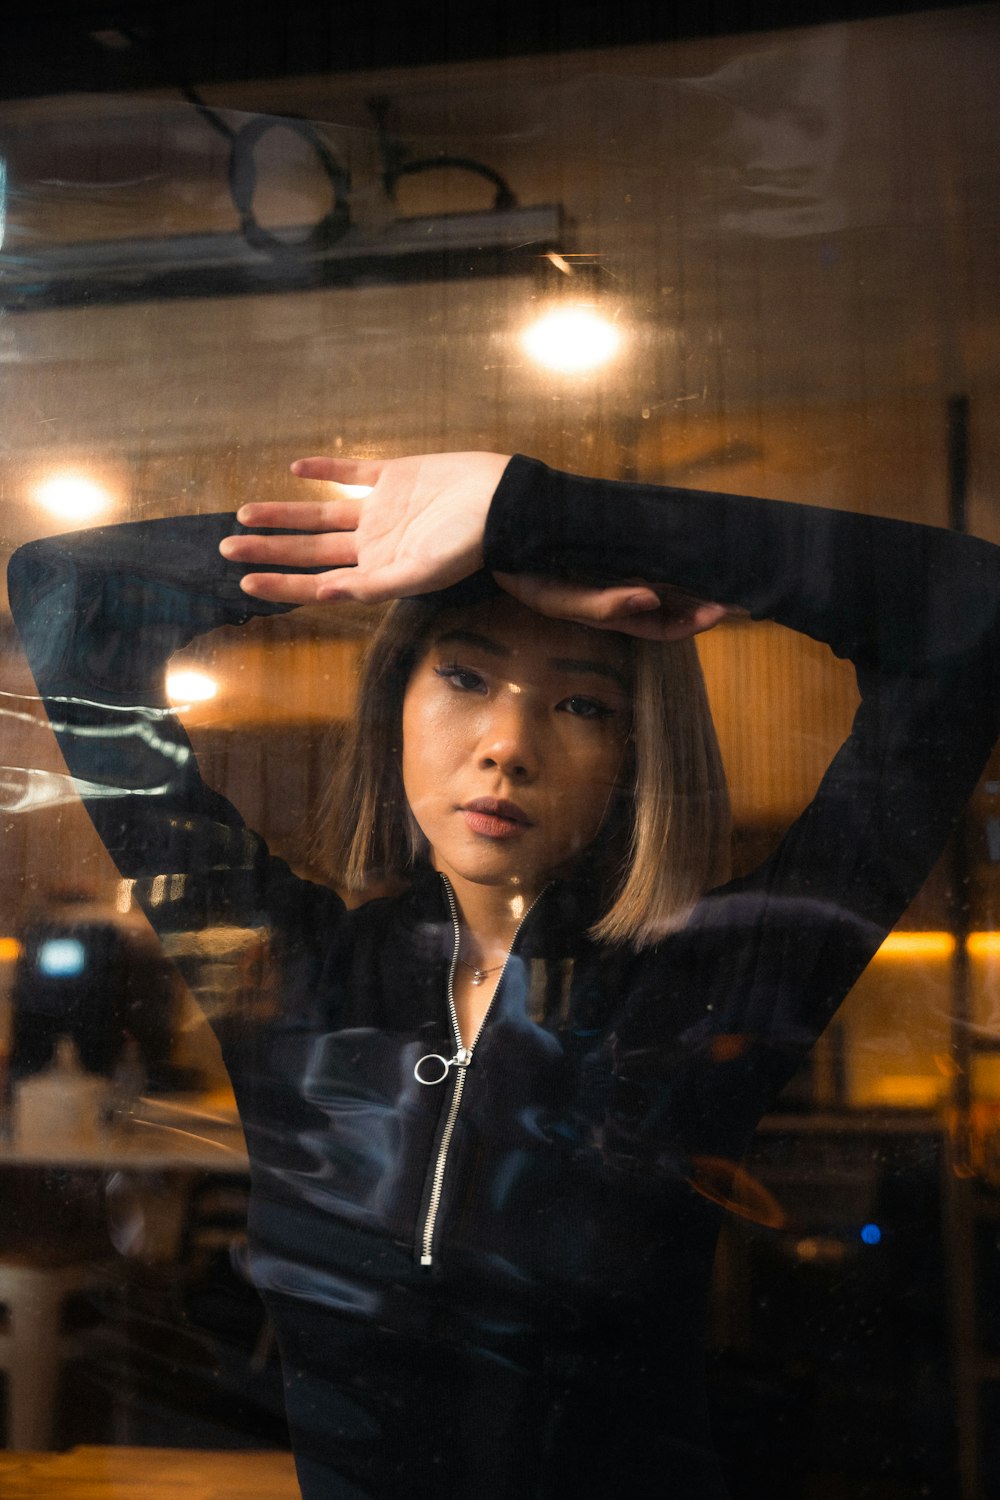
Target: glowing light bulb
(73,497)
(571,340)
(187,686)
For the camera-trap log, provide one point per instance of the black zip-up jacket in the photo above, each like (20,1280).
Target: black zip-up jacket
(553,1348)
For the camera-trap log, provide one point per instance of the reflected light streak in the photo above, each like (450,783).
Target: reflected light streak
(23,789)
(571,340)
(186,686)
(918,945)
(984,944)
(734,1189)
(140,728)
(560,262)
(192,1137)
(73,497)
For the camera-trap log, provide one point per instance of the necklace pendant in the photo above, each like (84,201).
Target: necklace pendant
(478,975)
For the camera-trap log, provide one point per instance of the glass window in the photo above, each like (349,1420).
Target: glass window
(404,1061)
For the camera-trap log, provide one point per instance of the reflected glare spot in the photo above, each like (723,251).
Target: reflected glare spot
(354,491)
(10,950)
(871,1234)
(984,944)
(560,262)
(571,340)
(73,497)
(187,686)
(727,1047)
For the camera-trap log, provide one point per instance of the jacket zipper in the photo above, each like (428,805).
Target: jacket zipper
(461,1061)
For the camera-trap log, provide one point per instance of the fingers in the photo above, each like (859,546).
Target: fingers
(340,470)
(301,515)
(333,549)
(283,588)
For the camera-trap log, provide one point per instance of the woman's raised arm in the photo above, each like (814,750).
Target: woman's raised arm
(421,528)
(99,613)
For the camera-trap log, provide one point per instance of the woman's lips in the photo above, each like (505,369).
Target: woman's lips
(495,819)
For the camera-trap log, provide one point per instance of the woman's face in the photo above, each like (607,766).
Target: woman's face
(514,734)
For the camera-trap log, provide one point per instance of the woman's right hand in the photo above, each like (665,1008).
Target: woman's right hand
(657,612)
(418,530)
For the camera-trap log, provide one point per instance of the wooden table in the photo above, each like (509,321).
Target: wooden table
(169,1134)
(152,1473)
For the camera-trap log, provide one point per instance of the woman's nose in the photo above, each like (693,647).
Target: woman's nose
(510,743)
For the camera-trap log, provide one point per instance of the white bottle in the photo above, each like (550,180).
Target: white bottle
(61,1106)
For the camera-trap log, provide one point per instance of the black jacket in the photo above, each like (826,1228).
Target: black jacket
(553,1347)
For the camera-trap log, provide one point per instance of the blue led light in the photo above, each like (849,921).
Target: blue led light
(871,1234)
(61,958)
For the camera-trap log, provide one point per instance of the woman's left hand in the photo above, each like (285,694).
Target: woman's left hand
(419,529)
(660,613)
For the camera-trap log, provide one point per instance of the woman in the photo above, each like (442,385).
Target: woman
(480,1124)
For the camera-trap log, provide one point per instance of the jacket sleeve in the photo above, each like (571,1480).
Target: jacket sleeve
(916,609)
(99,613)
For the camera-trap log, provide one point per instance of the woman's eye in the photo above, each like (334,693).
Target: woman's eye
(462,678)
(587,708)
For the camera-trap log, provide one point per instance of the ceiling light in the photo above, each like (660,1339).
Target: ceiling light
(73,497)
(572,340)
(186,686)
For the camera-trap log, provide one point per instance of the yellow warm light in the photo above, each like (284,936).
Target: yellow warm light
(73,497)
(10,950)
(984,944)
(571,340)
(187,686)
(918,945)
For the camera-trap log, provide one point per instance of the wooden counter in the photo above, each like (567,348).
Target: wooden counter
(153,1473)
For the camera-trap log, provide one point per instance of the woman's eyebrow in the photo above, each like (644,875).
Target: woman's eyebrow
(600,668)
(473,638)
(559,663)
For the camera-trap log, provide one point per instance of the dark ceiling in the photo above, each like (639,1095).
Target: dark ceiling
(61,46)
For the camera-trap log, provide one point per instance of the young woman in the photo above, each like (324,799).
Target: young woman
(481,1124)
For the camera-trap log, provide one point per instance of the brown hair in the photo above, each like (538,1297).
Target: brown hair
(674,842)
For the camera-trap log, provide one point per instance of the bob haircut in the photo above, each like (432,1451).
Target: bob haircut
(666,837)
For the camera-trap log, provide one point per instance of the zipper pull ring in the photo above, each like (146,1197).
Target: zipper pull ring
(462,1059)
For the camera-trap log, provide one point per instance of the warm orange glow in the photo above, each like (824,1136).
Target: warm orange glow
(10,950)
(918,945)
(907,1090)
(984,944)
(73,496)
